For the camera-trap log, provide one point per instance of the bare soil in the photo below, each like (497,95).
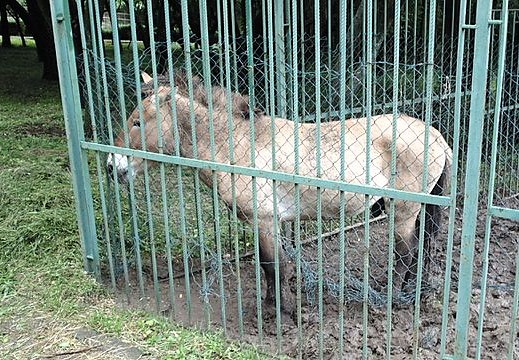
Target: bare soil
(45,337)
(206,307)
(42,129)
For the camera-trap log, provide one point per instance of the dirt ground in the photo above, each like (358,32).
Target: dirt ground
(50,338)
(496,327)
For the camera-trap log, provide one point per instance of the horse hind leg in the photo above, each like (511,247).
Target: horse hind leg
(408,235)
(431,228)
(406,243)
(433,218)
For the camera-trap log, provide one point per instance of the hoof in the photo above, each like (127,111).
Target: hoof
(287,305)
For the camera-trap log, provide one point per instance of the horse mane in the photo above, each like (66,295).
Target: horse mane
(240,103)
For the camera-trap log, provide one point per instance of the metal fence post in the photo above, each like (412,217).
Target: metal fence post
(281,83)
(471,191)
(70,99)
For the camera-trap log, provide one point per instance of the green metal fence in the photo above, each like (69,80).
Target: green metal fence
(230,196)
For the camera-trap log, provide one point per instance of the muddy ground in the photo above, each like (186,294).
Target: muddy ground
(244,326)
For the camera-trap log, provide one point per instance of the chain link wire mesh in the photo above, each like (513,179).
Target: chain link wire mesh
(412,94)
(186,236)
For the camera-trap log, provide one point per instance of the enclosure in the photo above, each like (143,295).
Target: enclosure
(335,179)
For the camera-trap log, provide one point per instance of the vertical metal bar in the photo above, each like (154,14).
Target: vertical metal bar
(233,47)
(210,113)
(369,104)
(303,57)
(99,171)
(169,255)
(297,119)
(160,144)
(279,23)
(351,58)
(342,199)
(135,224)
(492,175)
(181,205)
(415,46)
(199,219)
(471,192)
(109,128)
(230,129)
(266,78)
(385,52)
(66,60)
(513,89)
(514,163)
(110,223)
(275,230)
(122,106)
(252,136)
(392,179)
(406,34)
(318,117)
(431,33)
(515,309)
(329,107)
(220,31)
(454,176)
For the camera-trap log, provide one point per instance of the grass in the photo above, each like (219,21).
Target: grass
(47,302)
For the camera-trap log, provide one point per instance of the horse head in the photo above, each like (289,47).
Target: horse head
(150,132)
(153,130)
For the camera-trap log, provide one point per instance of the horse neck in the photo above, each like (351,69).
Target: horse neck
(203,131)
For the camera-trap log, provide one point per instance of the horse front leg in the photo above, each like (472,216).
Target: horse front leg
(268,243)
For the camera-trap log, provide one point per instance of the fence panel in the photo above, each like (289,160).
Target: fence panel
(281,169)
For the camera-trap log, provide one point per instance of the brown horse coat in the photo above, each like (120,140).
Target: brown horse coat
(409,145)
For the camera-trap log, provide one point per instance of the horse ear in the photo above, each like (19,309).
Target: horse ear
(146,78)
(241,104)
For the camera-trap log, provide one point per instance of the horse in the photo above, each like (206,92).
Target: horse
(410,165)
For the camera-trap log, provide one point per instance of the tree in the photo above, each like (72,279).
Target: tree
(38,22)
(41,25)
(4,25)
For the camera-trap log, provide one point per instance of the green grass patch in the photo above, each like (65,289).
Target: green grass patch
(43,288)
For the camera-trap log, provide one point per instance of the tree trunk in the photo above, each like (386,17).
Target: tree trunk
(19,12)
(76,30)
(19,27)
(39,11)
(4,25)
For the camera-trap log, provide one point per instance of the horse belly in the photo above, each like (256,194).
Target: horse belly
(354,203)
(287,203)
(331,205)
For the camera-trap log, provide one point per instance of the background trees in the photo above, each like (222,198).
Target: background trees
(32,17)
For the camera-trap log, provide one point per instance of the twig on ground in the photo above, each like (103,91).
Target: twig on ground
(72,352)
(347,228)
(306,241)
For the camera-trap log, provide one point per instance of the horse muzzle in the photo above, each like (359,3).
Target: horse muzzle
(119,165)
